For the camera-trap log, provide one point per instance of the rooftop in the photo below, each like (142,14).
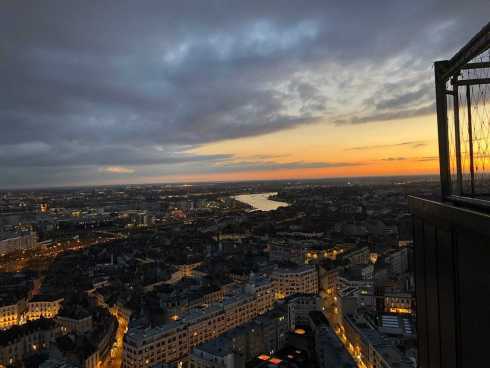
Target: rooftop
(318,318)
(294,269)
(396,324)
(141,336)
(74,312)
(220,346)
(15,332)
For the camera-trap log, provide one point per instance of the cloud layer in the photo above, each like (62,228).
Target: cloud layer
(88,85)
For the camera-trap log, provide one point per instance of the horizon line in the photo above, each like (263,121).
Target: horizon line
(208,182)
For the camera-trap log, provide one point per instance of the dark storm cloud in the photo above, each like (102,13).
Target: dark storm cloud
(73,154)
(104,83)
(418,159)
(407,98)
(391,115)
(410,144)
(428,158)
(394,159)
(268,165)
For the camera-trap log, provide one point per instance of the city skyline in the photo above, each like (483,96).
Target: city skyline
(184,92)
(244,184)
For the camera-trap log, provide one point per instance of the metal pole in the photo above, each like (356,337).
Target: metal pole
(441,106)
(470,139)
(457,138)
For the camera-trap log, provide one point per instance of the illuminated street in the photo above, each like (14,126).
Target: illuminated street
(332,313)
(115,358)
(39,259)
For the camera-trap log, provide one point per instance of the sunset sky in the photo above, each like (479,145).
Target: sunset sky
(111,92)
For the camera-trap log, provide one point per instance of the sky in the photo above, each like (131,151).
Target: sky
(115,92)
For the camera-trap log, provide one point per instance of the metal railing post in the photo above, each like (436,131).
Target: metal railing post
(457,138)
(470,139)
(442,127)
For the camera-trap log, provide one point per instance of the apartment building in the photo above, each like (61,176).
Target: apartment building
(43,306)
(299,306)
(401,303)
(217,353)
(12,313)
(266,333)
(357,256)
(328,348)
(12,242)
(287,251)
(76,324)
(173,341)
(370,347)
(295,280)
(398,260)
(20,341)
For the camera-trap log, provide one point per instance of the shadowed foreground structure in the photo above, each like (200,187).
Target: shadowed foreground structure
(452,237)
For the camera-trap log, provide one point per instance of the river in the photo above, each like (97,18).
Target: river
(261,201)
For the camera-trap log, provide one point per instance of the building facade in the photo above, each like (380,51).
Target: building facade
(20,341)
(43,306)
(299,306)
(298,280)
(174,340)
(12,314)
(12,242)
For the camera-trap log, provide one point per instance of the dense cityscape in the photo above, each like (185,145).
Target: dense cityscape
(293,274)
(244,184)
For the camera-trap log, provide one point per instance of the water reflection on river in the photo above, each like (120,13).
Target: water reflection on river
(261,201)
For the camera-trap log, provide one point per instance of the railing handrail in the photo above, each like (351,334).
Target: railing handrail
(477,45)
(449,79)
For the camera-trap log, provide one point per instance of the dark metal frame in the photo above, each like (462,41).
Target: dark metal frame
(449,71)
(451,238)
(451,278)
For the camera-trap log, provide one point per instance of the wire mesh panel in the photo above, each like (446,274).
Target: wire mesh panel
(463,109)
(474,112)
(452,136)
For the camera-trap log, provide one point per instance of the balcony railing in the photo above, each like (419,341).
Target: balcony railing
(463,118)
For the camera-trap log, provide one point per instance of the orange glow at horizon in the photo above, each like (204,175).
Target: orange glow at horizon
(316,151)
(401,147)
(416,168)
